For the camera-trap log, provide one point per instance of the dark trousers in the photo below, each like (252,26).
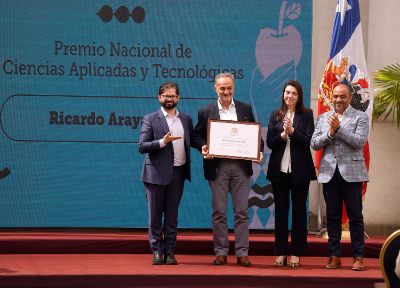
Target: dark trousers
(163,200)
(298,193)
(336,191)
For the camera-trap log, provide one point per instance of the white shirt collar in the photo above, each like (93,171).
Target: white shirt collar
(165,113)
(230,105)
(347,109)
(341,116)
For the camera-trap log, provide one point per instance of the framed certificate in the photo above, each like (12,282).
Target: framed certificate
(234,139)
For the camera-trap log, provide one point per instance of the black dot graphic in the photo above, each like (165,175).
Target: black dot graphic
(138,14)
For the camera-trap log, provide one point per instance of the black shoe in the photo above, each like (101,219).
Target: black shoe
(158,258)
(170,260)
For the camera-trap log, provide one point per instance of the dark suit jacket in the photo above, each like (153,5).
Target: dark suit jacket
(159,162)
(210,166)
(301,161)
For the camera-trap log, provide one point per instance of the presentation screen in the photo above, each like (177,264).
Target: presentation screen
(77,77)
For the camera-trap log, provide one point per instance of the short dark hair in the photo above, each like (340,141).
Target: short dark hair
(168,85)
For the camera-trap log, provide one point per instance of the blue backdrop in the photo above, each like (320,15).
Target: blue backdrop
(78,76)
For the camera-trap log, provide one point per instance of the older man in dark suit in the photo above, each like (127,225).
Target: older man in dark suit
(165,137)
(342,134)
(226,175)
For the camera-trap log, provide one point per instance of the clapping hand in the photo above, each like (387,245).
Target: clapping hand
(287,127)
(334,122)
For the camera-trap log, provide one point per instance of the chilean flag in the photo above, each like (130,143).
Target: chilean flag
(346,64)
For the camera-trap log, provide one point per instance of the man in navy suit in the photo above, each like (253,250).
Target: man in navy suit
(165,137)
(227,175)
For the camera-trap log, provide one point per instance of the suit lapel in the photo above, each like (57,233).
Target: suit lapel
(296,120)
(240,112)
(185,128)
(162,122)
(214,113)
(347,117)
(279,125)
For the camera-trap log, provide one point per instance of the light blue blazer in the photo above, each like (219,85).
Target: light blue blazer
(344,149)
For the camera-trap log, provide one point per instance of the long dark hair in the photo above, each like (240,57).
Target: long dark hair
(280,114)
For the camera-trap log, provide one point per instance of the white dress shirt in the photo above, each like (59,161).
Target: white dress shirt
(229,114)
(341,116)
(176,128)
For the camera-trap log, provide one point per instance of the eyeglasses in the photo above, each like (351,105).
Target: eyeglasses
(170,97)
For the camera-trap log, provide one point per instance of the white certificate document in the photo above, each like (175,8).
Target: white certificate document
(234,139)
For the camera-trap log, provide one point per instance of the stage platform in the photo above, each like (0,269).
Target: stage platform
(82,259)
(137,243)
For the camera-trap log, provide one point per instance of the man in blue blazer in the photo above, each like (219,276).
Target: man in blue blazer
(342,134)
(165,137)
